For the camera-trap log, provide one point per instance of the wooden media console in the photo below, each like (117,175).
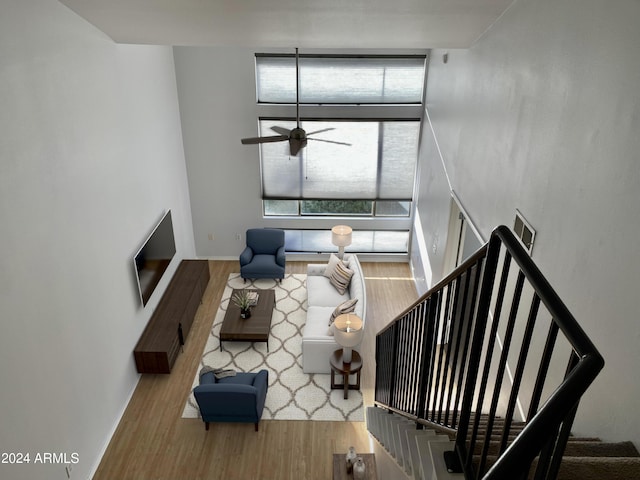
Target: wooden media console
(168,327)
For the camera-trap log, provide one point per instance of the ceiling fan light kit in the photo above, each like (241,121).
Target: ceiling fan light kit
(297,137)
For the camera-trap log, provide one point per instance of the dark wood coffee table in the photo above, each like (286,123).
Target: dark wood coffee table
(253,329)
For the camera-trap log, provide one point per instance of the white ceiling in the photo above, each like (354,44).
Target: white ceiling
(288,23)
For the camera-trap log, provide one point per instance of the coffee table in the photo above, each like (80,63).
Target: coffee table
(253,329)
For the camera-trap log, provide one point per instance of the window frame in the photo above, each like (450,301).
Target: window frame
(300,213)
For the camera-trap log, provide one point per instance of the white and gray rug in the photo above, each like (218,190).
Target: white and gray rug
(292,394)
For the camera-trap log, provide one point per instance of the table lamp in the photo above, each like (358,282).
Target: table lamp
(341,237)
(348,332)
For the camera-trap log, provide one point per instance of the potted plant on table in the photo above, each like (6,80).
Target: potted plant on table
(243,300)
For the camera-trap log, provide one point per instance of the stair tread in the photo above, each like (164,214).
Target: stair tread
(436,452)
(580,449)
(601,449)
(599,468)
(602,460)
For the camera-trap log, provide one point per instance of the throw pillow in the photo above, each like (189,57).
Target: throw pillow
(345,307)
(341,277)
(331,266)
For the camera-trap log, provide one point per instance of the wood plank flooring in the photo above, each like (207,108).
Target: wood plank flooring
(152,441)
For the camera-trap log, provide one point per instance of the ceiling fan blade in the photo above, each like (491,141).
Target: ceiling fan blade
(320,131)
(328,141)
(281,130)
(274,138)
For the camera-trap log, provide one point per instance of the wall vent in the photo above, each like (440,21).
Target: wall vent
(524,231)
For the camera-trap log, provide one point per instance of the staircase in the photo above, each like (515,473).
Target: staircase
(420,452)
(483,376)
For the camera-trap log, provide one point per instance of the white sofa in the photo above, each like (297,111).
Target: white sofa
(318,342)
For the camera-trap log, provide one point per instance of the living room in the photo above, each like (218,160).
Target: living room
(540,113)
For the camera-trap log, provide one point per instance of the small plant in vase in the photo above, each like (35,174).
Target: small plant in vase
(243,300)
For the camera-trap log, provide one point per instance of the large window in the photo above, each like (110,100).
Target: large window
(369,105)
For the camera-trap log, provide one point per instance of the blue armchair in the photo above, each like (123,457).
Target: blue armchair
(232,399)
(264,255)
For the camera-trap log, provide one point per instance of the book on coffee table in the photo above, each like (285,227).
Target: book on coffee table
(253,298)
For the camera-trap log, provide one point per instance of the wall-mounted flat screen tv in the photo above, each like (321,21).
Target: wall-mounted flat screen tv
(153,258)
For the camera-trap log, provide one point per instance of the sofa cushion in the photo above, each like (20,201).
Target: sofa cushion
(262,264)
(345,307)
(316,324)
(341,277)
(321,293)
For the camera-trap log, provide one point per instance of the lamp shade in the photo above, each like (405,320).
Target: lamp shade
(341,235)
(347,330)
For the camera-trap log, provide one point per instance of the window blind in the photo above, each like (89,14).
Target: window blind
(379,163)
(341,79)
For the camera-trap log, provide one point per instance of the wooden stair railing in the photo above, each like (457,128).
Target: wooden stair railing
(486,342)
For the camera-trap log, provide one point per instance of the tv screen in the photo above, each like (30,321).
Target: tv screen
(154,257)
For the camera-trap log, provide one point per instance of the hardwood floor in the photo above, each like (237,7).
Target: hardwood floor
(152,441)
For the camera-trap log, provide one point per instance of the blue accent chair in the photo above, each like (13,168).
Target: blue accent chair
(232,399)
(264,255)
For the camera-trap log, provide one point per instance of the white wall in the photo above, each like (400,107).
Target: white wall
(217,104)
(90,157)
(432,209)
(543,115)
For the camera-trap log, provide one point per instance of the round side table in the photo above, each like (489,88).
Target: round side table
(345,370)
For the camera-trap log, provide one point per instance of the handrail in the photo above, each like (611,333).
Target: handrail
(443,362)
(584,366)
(563,317)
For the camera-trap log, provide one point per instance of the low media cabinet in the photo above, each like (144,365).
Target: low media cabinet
(168,327)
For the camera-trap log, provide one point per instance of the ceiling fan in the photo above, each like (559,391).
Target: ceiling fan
(296,137)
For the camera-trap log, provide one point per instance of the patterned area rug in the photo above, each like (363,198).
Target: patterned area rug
(292,394)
